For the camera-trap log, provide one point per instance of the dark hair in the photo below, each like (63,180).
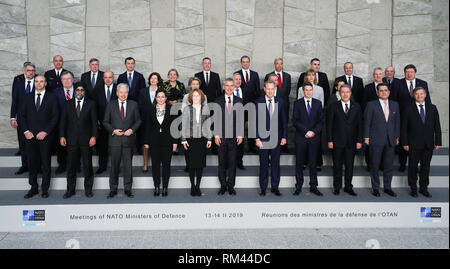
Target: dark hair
(409,66)
(314,59)
(245,56)
(129,58)
(94,60)
(382,84)
(206,58)
(307,84)
(160,80)
(156,94)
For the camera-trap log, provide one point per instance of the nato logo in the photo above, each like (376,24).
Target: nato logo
(33,215)
(430,212)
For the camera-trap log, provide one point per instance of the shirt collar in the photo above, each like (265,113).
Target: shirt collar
(418,104)
(42,93)
(226,97)
(70,89)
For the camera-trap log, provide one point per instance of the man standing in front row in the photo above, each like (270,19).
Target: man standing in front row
(78,132)
(382,133)
(122,120)
(38,118)
(275,107)
(344,132)
(420,135)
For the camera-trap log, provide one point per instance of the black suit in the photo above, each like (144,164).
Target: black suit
(137,83)
(78,130)
(53,80)
(357,87)
(213,89)
(323,82)
(284,91)
(392,85)
(99,83)
(103,136)
(39,151)
(421,139)
(344,130)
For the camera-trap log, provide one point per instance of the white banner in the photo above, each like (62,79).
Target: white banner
(105,217)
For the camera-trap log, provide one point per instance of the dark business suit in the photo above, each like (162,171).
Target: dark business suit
(421,138)
(213,89)
(39,151)
(160,142)
(344,130)
(382,140)
(284,91)
(53,80)
(78,130)
(227,151)
(61,152)
(274,153)
(323,82)
(392,85)
(99,83)
(137,83)
(18,98)
(357,87)
(304,123)
(103,135)
(145,105)
(121,147)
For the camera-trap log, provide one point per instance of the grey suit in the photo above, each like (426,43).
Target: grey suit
(121,146)
(382,139)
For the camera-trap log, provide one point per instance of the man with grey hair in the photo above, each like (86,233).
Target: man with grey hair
(389,78)
(93,78)
(122,120)
(53,76)
(355,83)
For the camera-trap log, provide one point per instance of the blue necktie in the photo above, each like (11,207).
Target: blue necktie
(270,108)
(237,93)
(28,89)
(309,108)
(108,94)
(38,102)
(422,114)
(129,79)
(93,81)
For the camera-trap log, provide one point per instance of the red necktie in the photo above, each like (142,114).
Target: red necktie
(280,84)
(411,90)
(246,77)
(229,105)
(67,95)
(122,112)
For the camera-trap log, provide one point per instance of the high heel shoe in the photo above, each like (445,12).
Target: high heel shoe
(156,193)
(197,191)
(164,192)
(193,191)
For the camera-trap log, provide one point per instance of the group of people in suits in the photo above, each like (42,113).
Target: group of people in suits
(120,119)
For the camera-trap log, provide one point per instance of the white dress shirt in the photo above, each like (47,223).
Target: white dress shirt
(70,92)
(273,104)
(281,75)
(343,105)
(36,96)
(383,105)
(240,92)
(226,100)
(408,82)
(96,76)
(31,83)
(209,76)
(58,72)
(124,107)
(110,90)
(317,93)
(81,103)
(418,107)
(132,75)
(243,73)
(351,79)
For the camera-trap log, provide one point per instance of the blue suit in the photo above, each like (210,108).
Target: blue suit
(382,139)
(304,123)
(279,109)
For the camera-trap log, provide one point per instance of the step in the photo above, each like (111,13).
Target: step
(248,178)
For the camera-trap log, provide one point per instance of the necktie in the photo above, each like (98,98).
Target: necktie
(270,108)
(346,109)
(93,80)
(309,108)
(411,90)
(246,77)
(28,89)
(280,83)
(229,105)
(389,83)
(68,95)
(129,79)
(108,94)
(350,82)
(38,102)
(57,73)
(237,93)
(422,114)
(386,111)
(78,108)
(122,112)
(207,79)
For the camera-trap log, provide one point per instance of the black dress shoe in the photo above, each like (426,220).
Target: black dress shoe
(111,194)
(164,192)
(21,170)
(350,191)
(44,195)
(276,192)
(100,170)
(129,194)
(376,193)
(30,194)
(390,192)
(68,195)
(89,194)
(297,192)
(262,193)
(222,191)
(231,191)
(425,193)
(79,169)
(336,191)
(319,168)
(193,191)
(198,192)
(156,192)
(60,169)
(414,194)
(253,150)
(316,192)
(285,149)
(402,168)
(241,166)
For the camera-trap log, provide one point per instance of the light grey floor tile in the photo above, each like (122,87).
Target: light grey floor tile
(232,242)
(196,242)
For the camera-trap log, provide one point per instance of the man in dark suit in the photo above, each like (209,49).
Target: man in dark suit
(322,79)
(22,85)
(93,78)
(121,121)
(344,136)
(270,145)
(229,138)
(238,92)
(53,76)
(251,90)
(78,132)
(283,89)
(382,133)
(356,83)
(102,97)
(308,121)
(405,95)
(133,78)
(38,118)
(390,80)
(420,135)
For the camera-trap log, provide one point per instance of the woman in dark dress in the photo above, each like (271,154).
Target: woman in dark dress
(159,140)
(196,137)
